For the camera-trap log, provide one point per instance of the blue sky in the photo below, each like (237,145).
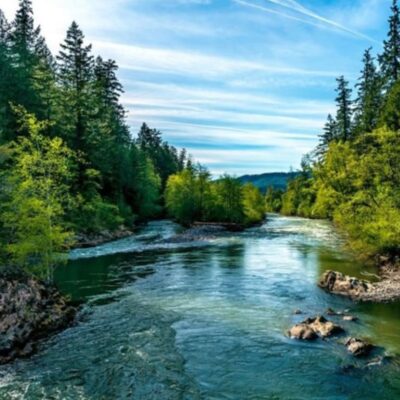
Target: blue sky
(244,85)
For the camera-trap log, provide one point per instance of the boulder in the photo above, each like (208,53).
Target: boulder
(312,328)
(323,327)
(338,283)
(29,310)
(302,332)
(358,347)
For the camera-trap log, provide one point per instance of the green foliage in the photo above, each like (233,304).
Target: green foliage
(253,204)
(112,179)
(37,196)
(191,196)
(273,200)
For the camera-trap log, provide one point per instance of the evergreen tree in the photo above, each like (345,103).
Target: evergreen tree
(329,134)
(344,112)
(75,65)
(23,37)
(368,102)
(164,157)
(389,60)
(6,73)
(75,72)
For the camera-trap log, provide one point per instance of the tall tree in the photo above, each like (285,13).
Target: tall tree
(75,65)
(390,58)
(344,111)
(368,102)
(329,134)
(75,72)
(6,74)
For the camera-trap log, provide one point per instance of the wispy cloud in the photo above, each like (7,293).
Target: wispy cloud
(312,18)
(244,93)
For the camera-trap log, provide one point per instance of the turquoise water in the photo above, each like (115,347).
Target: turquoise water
(207,321)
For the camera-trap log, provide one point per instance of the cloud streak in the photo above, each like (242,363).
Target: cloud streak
(314,18)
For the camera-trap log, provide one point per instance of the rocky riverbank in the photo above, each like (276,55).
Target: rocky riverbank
(387,289)
(86,240)
(29,310)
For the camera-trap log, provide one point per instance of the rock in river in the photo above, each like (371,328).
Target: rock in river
(358,347)
(337,283)
(312,328)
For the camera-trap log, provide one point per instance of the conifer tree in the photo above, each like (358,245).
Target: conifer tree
(344,111)
(6,73)
(75,64)
(389,60)
(368,102)
(75,72)
(329,134)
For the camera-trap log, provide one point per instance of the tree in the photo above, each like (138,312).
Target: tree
(368,102)
(344,112)
(229,202)
(253,204)
(329,134)
(180,197)
(75,72)
(389,60)
(164,157)
(391,112)
(38,195)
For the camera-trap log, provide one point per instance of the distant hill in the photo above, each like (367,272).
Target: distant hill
(278,180)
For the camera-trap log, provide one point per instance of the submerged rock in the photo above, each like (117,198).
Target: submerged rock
(29,310)
(312,328)
(350,318)
(337,283)
(358,347)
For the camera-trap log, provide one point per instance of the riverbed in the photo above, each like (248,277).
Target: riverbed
(207,320)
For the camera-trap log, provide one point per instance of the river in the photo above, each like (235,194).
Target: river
(207,321)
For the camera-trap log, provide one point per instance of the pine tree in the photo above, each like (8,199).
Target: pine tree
(389,60)
(75,72)
(329,134)
(6,73)
(24,33)
(109,138)
(344,112)
(368,102)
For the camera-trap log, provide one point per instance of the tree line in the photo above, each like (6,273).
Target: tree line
(68,162)
(353,176)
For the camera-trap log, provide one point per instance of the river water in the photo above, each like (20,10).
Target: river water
(207,321)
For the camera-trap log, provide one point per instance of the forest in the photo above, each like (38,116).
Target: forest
(69,163)
(353,176)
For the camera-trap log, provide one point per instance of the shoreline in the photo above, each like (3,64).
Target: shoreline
(85,241)
(385,290)
(30,310)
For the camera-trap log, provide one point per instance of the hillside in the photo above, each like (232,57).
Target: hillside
(278,180)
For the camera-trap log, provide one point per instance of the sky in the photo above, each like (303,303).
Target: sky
(244,85)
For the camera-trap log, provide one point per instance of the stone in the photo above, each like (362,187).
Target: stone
(302,332)
(323,327)
(358,347)
(312,328)
(338,283)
